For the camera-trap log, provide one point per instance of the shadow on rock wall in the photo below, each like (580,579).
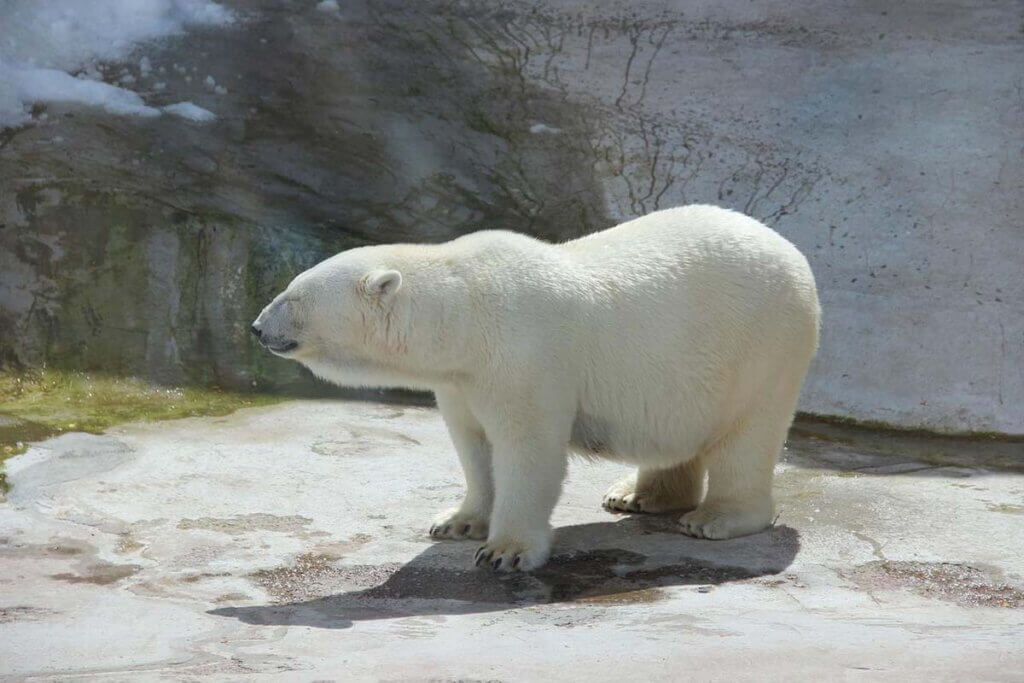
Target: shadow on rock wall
(146,246)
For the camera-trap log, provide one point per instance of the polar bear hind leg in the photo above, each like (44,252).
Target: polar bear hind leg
(677,488)
(741,467)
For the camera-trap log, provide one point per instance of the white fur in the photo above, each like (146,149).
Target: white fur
(677,342)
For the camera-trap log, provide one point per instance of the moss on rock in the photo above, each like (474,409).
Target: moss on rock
(37,404)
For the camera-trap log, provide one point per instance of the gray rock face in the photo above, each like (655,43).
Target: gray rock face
(884,143)
(148,245)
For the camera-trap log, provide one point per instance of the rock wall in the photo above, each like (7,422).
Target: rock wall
(884,139)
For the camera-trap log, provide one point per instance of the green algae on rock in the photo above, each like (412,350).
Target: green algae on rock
(37,404)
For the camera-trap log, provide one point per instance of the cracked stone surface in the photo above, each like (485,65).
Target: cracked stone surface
(240,545)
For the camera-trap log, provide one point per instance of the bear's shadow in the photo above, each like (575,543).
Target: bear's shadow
(622,562)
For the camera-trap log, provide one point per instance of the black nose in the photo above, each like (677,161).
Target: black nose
(256,331)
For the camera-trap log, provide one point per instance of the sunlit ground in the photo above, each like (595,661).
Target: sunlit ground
(35,404)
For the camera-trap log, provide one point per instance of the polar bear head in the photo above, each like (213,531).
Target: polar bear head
(369,317)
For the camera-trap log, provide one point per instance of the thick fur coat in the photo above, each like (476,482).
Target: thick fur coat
(677,342)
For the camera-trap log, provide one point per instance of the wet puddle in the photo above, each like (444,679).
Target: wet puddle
(962,584)
(856,450)
(596,577)
(100,573)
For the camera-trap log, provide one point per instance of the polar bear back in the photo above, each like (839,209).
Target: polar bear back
(692,315)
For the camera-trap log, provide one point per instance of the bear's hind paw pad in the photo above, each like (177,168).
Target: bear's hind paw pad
(719,524)
(630,502)
(622,496)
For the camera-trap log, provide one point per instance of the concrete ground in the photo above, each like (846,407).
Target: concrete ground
(290,543)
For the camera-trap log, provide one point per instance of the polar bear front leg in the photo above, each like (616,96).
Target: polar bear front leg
(529,465)
(472,517)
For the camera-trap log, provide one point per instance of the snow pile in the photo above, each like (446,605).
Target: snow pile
(53,85)
(543,128)
(187,110)
(44,42)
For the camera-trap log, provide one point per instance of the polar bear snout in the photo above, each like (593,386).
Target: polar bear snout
(274,329)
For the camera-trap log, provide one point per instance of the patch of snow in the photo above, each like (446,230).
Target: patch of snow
(328,6)
(220,90)
(44,43)
(53,85)
(541,128)
(90,72)
(145,66)
(210,82)
(187,110)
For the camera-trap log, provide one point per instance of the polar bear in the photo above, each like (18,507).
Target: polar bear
(676,342)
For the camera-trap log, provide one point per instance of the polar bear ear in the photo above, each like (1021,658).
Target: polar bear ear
(382,283)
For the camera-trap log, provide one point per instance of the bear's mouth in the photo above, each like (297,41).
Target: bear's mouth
(284,347)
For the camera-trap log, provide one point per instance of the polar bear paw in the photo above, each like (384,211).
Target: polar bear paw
(715,523)
(510,556)
(624,496)
(457,524)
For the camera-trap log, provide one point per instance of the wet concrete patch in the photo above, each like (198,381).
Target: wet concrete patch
(58,547)
(316,590)
(1006,508)
(312,574)
(16,433)
(99,573)
(962,584)
(23,613)
(637,597)
(363,440)
(603,575)
(851,449)
(127,544)
(257,521)
(202,576)
(80,456)
(593,576)
(87,568)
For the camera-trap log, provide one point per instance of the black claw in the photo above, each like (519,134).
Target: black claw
(496,563)
(515,562)
(465,529)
